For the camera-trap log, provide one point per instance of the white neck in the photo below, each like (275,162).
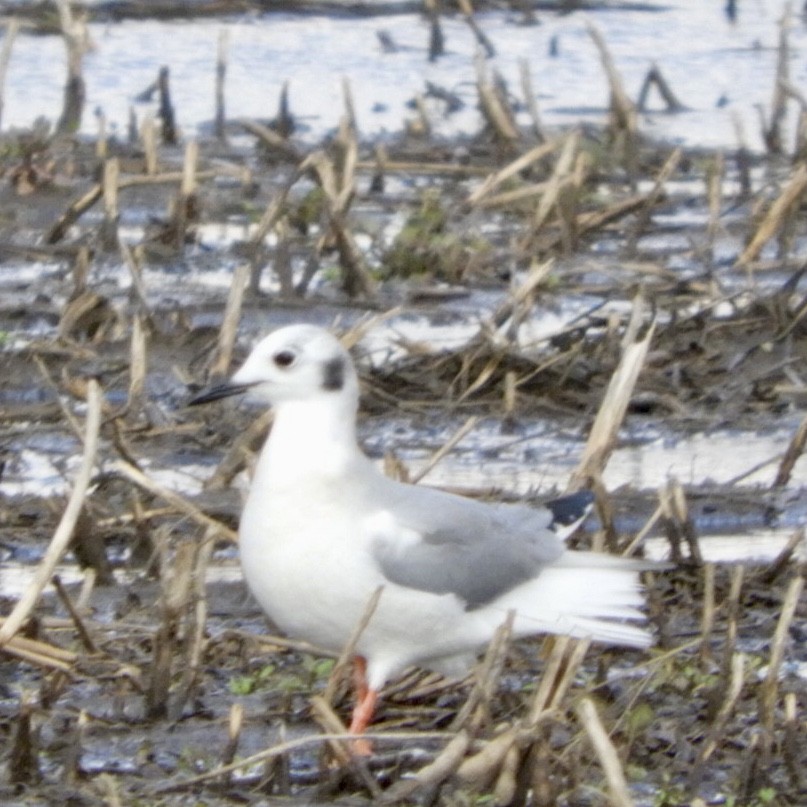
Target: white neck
(310,438)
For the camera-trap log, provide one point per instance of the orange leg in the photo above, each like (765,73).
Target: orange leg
(364,709)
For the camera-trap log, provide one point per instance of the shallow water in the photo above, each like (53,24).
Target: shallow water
(720,70)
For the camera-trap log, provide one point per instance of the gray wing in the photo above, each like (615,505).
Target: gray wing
(441,543)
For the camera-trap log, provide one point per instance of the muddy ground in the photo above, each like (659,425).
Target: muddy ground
(133,681)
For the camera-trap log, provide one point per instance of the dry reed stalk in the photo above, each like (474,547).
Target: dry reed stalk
(447,447)
(77,42)
(185,202)
(239,453)
(272,140)
(513,197)
(436,38)
(175,591)
(623,123)
(77,208)
(172,588)
(70,419)
(654,77)
(109,227)
(64,531)
(777,216)
(537,274)
(530,100)
(566,656)
(195,633)
(476,707)
(508,312)
(420,126)
(428,168)
(562,170)
(135,475)
(430,776)
(707,613)
(567,203)
(794,450)
(349,120)
(23,762)
(653,197)
(178,177)
(676,512)
(286,747)
(341,747)
(785,557)
(349,651)
(467,12)
(220,365)
(602,438)
(10,34)
(133,258)
(643,532)
(596,219)
(480,769)
(356,279)
(138,363)
(235,723)
(715,175)
(72,214)
(222,49)
(792,742)
(609,759)
(719,722)
(772,133)
(495,109)
(733,617)
(101,145)
(39,653)
(493,181)
(87,587)
(81,628)
(148,137)
(769,691)
(72,772)
(506,787)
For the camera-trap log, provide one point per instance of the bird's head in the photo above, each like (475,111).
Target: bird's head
(294,364)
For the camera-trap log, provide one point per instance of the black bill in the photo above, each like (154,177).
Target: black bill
(217,393)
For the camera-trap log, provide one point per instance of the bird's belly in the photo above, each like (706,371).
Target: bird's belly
(304,581)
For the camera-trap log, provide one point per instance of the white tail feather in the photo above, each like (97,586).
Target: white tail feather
(585,595)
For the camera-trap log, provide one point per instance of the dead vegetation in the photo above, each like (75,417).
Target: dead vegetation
(225,714)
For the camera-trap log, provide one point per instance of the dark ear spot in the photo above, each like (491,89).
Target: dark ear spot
(333,377)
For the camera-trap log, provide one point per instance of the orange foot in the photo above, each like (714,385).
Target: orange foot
(366,699)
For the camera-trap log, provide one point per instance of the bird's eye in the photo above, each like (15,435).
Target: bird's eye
(284,359)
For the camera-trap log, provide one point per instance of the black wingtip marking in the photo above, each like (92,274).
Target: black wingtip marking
(569,509)
(333,377)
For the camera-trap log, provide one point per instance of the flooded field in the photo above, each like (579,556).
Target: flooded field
(581,294)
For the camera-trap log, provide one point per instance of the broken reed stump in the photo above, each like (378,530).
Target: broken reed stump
(623,124)
(654,78)
(772,128)
(76,39)
(495,108)
(220,119)
(166,109)
(109,226)
(467,11)
(12,29)
(437,42)
(185,206)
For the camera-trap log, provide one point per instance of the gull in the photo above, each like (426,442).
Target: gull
(323,529)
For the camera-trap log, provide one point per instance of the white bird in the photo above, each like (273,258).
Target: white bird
(323,528)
